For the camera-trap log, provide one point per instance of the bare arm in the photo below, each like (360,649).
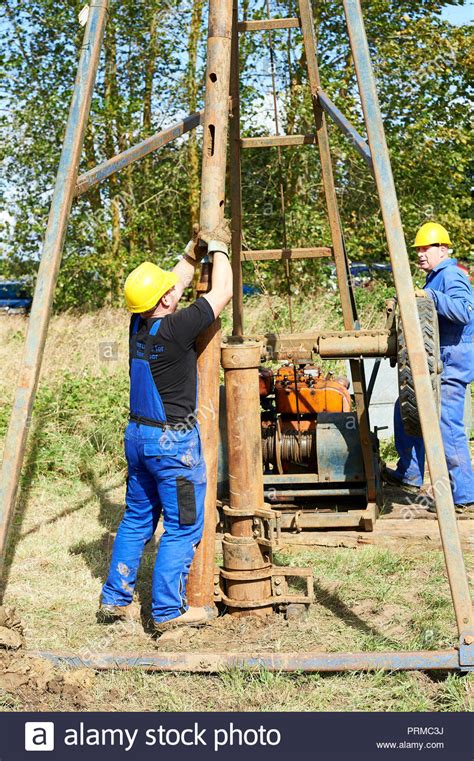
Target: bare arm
(185,272)
(221,291)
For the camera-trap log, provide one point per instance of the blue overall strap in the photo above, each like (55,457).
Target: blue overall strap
(149,347)
(136,322)
(146,406)
(155,327)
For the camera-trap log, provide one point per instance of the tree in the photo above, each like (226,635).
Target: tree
(151,75)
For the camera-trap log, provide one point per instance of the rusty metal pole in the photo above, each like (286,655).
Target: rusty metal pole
(210,663)
(200,590)
(235,179)
(242,553)
(409,314)
(15,442)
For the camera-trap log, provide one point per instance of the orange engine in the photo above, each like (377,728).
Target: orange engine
(291,402)
(306,391)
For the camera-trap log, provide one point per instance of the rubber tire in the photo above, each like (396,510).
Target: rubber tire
(429,328)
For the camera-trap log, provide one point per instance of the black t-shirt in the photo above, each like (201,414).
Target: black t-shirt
(174,368)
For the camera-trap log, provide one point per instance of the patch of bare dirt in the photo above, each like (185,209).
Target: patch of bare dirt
(232,634)
(33,684)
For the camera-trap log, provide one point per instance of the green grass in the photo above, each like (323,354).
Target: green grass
(237,690)
(71,502)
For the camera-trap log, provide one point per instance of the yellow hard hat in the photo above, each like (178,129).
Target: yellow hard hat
(430,234)
(145,286)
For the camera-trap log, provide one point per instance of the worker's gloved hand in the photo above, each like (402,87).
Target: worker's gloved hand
(196,248)
(218,239)
(421,294)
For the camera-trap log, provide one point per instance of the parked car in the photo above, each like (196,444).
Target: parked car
(14,297)
(361,273)
(251,290)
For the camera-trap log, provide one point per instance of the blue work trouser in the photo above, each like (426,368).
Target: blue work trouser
(411,451)
(166,473)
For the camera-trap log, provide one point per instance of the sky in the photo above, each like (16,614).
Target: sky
(461,15)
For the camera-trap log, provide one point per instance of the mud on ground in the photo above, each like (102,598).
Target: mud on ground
(33,684)
(381,591)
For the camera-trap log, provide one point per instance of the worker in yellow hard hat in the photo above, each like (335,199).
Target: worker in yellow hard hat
(432,234)
(145,286)
(166,470)
(449,288)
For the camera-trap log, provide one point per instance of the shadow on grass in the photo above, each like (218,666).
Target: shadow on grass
(340,610)
(68,511)
(97,553)
(28,475)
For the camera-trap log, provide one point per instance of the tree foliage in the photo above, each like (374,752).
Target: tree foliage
(151,74)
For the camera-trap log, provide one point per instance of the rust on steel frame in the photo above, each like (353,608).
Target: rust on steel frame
(407,303)
(16,437)
(455,659)
(200,588)
(213,663)
(249,582)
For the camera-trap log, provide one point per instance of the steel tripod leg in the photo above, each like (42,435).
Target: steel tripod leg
(349,311)
(15,442)
(411,325)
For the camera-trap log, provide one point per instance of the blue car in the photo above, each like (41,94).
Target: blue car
(251,290)
(361,273)
(14,297)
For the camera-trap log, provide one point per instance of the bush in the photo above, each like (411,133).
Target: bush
(77,421)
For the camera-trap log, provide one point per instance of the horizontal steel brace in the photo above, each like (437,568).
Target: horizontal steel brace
(347,491)
(212,663)
(285,253)
(370,343)
(347,128)
(268,572)
(302,520)
(101,172)
(232,512)
(253,575)
(268,24)
(291,478)
(357,343)
(271,141)
(285,599)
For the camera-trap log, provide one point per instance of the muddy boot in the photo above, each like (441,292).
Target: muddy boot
(467,510)
(109,613)
(462,511)
(192,617)
(425,498)
(390,477)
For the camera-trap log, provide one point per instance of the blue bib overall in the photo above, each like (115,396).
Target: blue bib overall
(166,475)
(452,295)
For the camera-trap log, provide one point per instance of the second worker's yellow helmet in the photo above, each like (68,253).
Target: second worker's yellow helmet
(145,286)
(430,234)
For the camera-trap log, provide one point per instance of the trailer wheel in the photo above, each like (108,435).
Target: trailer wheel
(429,328)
